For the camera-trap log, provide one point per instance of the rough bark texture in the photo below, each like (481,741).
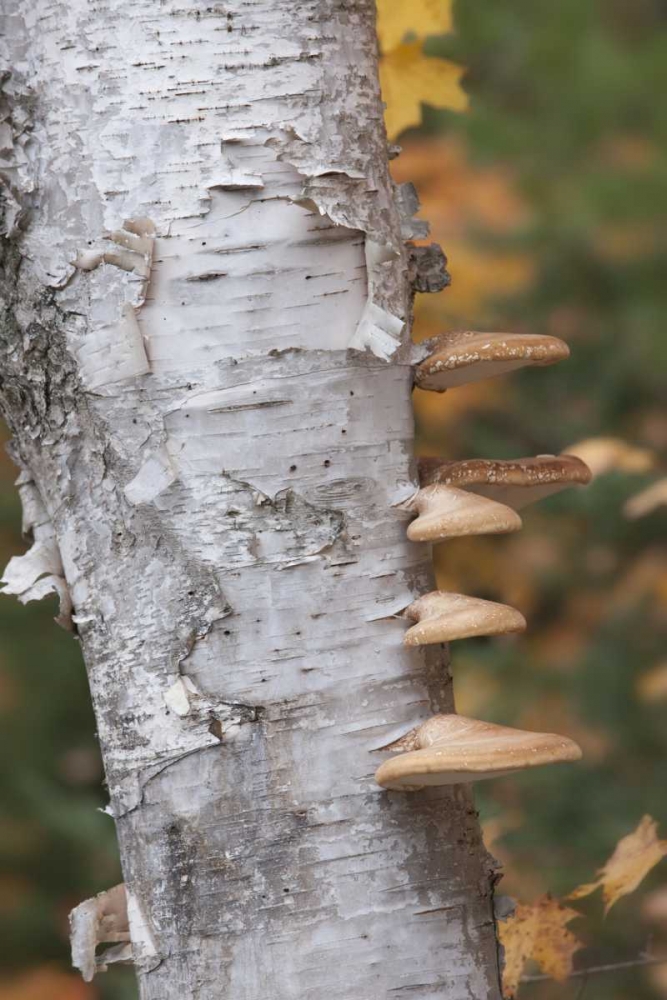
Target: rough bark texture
(215,426)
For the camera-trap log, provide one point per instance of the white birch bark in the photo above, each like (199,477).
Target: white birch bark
(205,369)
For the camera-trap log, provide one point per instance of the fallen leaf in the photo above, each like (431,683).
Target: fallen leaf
(538,931)
(408,78)
(419,17)
(633,858)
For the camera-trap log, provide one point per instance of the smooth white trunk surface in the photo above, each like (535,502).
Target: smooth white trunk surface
(201,226)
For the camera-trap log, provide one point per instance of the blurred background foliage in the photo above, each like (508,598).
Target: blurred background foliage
(549,198)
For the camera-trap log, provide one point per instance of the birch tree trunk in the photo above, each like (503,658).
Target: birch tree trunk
(205,367)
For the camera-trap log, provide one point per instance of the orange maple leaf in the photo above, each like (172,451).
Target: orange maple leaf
(633,858)
(538,931)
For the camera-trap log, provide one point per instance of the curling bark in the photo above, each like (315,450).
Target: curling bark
(205,367)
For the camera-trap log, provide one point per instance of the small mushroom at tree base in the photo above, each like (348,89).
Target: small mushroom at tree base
(516,483)
(444,617)
(462,357)
(447,512)
(451,749)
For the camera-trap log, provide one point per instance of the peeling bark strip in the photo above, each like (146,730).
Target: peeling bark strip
(102,920)
(200,226)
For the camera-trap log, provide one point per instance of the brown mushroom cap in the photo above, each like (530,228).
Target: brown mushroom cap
(443,617)
(516,483)
(447,512)
(451,749)
(462,357)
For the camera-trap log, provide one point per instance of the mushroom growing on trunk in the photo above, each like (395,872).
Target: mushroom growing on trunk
(516,483)
(443,617)
(462,357)
(445,512)
(451,749)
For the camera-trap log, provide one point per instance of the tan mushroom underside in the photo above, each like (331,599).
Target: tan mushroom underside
(450,749)
(463,357)
(444,617)
(447,512)
(515,483)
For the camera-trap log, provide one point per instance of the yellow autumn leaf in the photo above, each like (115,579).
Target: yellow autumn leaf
(409,78)
(420,17)
(538,931)
(517,936)
(633,858)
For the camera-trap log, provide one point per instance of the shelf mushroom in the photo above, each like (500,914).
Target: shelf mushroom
(609,454)
(451,749)
(515,483)
(463,357)
(449,512)
(443,617)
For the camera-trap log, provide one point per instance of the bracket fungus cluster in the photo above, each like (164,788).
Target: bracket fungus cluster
(462,357)
(515,483)
(446,512)
(443,617)
(474,497)
(449,749)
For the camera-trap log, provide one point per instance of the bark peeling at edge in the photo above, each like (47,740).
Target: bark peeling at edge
(259,856)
